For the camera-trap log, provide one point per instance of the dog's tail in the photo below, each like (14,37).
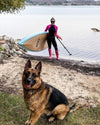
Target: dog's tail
(73,106)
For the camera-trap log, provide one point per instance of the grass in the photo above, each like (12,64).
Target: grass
(1,49)
(13,112)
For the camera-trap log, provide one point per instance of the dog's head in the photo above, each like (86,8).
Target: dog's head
(31,77)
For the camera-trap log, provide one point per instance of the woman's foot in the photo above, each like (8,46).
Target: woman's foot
(57,54)
(50,57)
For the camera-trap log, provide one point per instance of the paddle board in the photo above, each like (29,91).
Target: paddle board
(34,42)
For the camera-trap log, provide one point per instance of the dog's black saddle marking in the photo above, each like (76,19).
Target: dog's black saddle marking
(56,97)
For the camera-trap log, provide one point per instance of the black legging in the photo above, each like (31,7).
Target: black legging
(51,39)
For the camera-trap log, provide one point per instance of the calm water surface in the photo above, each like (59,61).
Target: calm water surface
(74,26)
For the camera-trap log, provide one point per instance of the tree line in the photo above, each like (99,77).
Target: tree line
(12,6)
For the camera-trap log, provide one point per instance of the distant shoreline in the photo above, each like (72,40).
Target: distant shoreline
(62,5)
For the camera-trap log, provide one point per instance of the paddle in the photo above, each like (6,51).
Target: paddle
(64,47)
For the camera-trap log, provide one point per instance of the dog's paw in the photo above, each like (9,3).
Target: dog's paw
(51,119)
(27,122)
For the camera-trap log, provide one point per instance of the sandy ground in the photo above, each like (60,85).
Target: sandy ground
(78,87)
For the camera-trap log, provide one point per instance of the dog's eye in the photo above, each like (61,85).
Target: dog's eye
(34,75)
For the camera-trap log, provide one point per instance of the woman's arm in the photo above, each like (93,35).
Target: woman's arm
(47,28)
(56,33)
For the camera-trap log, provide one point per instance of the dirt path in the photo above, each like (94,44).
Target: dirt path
(83,88)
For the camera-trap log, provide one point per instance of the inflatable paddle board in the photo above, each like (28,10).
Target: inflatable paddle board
(34,42)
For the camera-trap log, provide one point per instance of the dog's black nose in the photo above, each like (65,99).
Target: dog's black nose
(28,80)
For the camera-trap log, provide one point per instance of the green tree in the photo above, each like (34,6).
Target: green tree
(11,6)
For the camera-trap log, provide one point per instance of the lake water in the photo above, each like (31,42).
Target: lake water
(74,26)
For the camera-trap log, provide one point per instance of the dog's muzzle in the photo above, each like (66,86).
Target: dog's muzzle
(30,82)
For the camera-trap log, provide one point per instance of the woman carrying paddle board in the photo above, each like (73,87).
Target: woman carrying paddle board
(52,32)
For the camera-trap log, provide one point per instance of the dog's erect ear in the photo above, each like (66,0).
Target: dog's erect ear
(28,64)
(38,67)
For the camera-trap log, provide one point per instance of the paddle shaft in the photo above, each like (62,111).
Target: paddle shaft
(64,47)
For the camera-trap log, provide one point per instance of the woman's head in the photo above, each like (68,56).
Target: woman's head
(52,21)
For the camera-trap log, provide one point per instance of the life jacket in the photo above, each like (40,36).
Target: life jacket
(52,30)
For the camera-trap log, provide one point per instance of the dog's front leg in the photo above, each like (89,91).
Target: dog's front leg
(33,118)
(28,122)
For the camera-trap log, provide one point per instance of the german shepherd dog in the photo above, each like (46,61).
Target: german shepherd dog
(42,98)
